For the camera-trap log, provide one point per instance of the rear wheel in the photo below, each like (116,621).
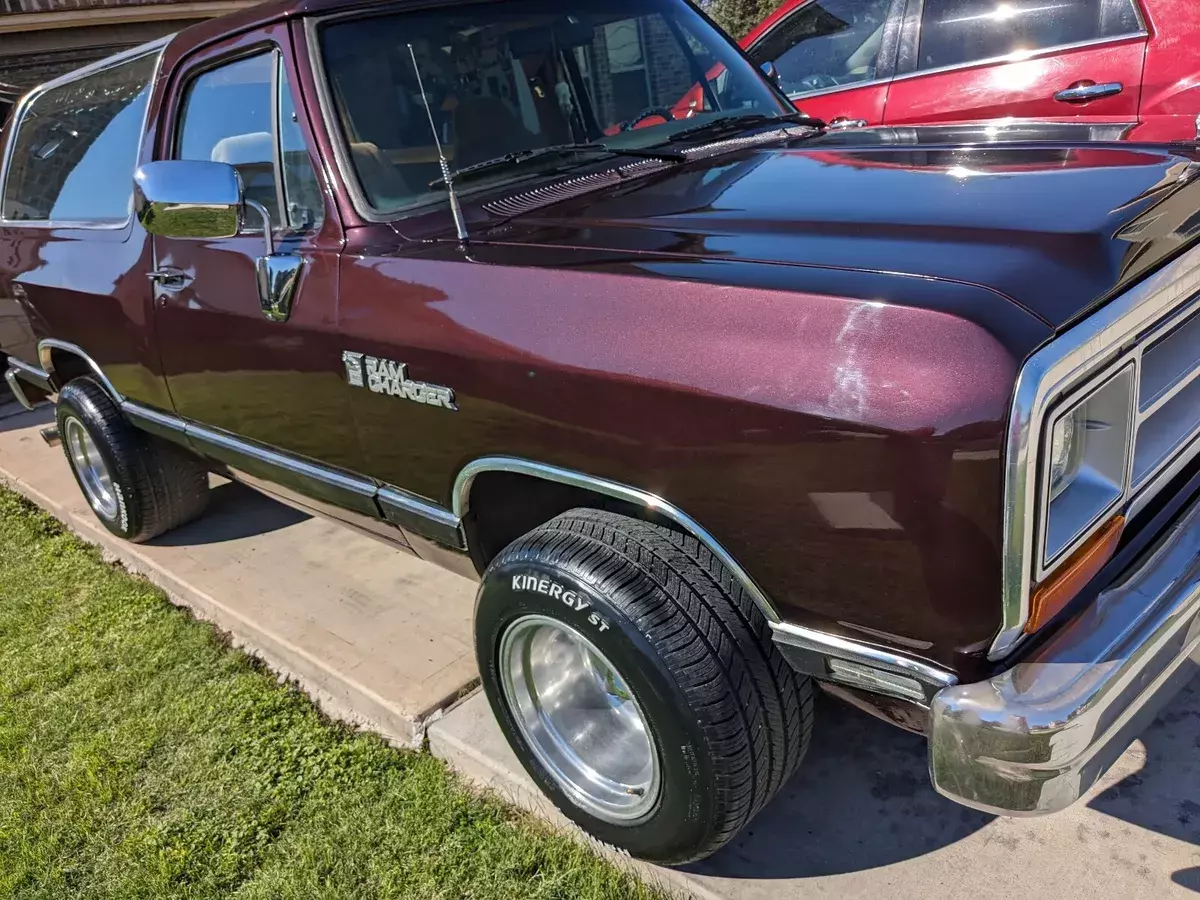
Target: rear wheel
(637,683)
(137,485)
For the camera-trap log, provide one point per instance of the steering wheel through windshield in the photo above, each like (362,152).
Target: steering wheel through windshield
(664,111)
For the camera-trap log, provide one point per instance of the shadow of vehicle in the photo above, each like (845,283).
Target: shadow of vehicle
(235,512)
(1164,795)
(861,800)
(14,417)
(1188,878)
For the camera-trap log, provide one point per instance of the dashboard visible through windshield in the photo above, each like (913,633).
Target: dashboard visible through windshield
(503,79)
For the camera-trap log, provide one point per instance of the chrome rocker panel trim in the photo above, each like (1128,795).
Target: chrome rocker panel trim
(1033,739)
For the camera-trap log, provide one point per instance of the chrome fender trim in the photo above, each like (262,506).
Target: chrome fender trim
(46,358)
(652,502)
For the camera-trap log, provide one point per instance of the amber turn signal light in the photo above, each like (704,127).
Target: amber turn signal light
(1080,568)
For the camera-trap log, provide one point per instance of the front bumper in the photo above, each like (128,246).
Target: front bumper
(1034,739)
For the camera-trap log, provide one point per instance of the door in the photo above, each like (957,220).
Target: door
(228,364)
(833,57)
(972,60)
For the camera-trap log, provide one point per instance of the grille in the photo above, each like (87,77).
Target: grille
(1168,420)
(519,204)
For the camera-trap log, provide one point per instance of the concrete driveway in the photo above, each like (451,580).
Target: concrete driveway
(384,640)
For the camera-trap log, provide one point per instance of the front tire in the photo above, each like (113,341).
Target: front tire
(637,683)
(137,485)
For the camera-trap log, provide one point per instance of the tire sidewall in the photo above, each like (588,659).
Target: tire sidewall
(74,403)
(517,586)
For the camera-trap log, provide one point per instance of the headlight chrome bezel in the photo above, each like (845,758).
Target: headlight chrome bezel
(1095,349)
(1121,376)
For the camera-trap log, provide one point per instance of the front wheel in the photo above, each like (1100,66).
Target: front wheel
(637,683)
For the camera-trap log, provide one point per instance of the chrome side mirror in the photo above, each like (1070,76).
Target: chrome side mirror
(183,198)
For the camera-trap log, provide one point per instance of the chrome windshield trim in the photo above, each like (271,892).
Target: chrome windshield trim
(1020,56)
(1060,365)
(46,358)
(151,47)
(637,496)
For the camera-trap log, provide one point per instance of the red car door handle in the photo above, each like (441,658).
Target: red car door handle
(1083,91)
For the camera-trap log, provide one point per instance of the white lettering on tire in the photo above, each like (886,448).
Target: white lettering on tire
(541,585)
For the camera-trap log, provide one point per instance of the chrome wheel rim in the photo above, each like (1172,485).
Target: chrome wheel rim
(93,473)
(579,717)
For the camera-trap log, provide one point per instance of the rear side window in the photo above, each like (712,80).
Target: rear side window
(76,147)
(955,32)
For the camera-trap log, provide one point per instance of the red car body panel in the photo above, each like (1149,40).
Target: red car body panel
(1159,72)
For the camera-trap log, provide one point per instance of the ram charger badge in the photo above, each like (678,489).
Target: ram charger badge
(386,376)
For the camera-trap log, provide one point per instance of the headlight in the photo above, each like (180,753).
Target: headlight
(1086,457)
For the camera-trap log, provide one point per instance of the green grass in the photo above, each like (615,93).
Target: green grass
(141,757)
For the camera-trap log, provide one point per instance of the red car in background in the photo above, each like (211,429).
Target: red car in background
(1133,65)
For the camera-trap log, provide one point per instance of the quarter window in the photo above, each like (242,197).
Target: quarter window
(76,146)
(954,32)
(242,114)
(826,44)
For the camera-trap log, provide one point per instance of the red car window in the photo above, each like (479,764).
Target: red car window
(954,32)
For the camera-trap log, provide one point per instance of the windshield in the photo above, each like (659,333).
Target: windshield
(502,78)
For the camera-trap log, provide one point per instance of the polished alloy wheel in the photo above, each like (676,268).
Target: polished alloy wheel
(92,470)
(579,717)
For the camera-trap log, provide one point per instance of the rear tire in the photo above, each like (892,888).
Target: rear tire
(139,486)
(617,619)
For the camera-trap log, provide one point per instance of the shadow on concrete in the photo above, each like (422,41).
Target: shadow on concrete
(1164,796)
(861,800)
(1188,878)
(14,417)
(235,512)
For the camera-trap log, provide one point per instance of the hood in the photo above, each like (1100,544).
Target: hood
(1054,227)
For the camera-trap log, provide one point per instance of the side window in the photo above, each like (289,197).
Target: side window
(825,44)
(301,191)
(241,113)
(954,32)
(76,147)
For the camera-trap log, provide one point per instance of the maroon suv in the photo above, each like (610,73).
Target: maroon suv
(718,407)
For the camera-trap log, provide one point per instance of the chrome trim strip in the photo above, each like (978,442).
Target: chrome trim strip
(413,513)
(31,373)
(14,385)
(1169,394)
(462,492)
(831,645)
(1019,56)
(155,422)
(1083,351)
(822,92)
(47,360)
(351,491)
(155,46)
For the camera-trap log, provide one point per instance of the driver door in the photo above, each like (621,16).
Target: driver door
(834,58)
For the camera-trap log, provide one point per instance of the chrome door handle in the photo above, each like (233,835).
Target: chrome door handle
(839,122)
(1083,92)
(170,279)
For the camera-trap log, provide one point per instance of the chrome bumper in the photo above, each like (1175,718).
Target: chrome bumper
(1034,739)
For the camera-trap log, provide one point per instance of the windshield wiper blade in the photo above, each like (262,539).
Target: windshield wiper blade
(524,156)
(729,124)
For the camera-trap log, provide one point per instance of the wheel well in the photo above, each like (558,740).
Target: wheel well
(66,366)
(505,505)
